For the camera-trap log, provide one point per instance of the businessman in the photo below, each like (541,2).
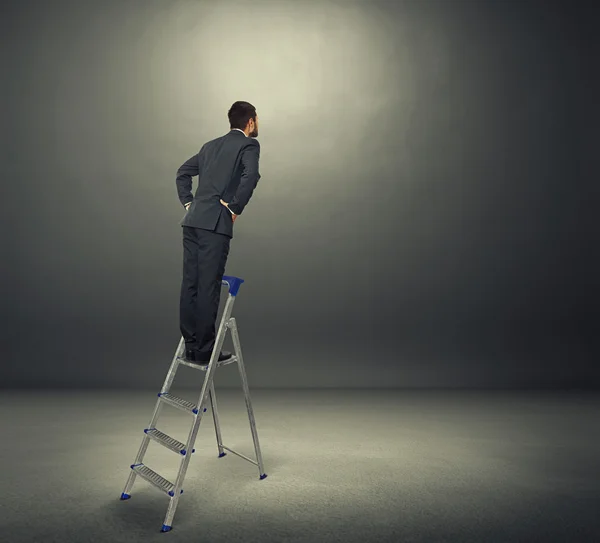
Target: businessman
(227,170)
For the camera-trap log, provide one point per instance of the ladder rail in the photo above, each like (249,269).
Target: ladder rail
(242,370)
(215,414)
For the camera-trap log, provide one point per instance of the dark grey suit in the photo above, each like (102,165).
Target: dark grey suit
(227,169)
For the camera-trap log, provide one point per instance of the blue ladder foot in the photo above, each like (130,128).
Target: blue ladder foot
(263,476)
(125,496)
(166,528)
(222,455)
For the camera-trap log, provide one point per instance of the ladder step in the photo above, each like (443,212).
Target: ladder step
(154,478)
(203,366)
(184,405)
(167,441)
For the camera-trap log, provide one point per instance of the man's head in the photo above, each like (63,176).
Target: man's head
(243,115)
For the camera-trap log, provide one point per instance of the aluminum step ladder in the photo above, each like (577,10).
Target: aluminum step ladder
(174,490)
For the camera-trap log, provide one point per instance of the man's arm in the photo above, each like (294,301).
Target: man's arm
(185,173)
(250,177)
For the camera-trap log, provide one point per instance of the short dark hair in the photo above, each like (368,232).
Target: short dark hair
(240,113)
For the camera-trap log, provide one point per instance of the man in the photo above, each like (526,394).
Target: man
(227,170)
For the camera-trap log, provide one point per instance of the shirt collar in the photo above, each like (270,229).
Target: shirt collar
(240,131)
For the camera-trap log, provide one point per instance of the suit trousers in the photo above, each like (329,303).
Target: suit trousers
(205,254)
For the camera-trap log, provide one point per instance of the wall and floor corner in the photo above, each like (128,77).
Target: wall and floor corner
(419,317)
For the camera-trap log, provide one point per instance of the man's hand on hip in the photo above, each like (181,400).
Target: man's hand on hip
(233,215)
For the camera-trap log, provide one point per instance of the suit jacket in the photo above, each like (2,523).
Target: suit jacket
(227,169)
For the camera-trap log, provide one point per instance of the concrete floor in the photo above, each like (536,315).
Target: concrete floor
(351,466)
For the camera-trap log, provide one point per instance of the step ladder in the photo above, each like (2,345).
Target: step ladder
(174,489)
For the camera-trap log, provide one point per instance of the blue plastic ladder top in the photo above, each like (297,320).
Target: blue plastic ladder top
(234,283)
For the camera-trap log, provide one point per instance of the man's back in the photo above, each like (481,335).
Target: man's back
(227,169)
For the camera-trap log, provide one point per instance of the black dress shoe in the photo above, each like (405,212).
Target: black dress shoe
(196,356)
(225,355)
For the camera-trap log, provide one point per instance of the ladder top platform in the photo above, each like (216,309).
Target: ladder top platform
(233,283)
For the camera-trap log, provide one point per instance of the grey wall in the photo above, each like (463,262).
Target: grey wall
(425,217)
